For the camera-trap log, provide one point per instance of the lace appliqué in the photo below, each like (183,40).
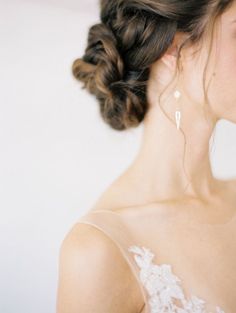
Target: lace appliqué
(164,287)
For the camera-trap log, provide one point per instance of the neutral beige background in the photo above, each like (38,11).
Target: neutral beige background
(56,154)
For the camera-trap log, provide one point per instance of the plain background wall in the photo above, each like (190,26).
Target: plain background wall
(56,153)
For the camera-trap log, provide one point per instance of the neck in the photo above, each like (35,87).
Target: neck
(166,166)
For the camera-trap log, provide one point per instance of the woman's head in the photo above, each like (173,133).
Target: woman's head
(134,36)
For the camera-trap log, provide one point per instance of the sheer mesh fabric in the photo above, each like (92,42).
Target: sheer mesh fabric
(161,287)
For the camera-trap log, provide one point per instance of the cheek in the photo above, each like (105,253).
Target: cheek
(222,91)
(226,68)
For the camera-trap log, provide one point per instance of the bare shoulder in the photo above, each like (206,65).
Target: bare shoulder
(93,275)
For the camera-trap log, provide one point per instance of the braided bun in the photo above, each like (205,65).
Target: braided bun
(102,71)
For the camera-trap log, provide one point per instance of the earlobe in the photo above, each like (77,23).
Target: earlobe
(170,57)
(169,60)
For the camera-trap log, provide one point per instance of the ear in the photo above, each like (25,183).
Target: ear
(169,59)
(170,56)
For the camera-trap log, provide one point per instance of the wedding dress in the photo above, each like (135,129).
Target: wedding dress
(161,288)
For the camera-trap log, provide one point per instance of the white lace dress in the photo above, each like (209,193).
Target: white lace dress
(164,287)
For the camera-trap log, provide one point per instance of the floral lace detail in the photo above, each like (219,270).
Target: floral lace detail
(164,287)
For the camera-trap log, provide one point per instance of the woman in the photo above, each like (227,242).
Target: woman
(161,238)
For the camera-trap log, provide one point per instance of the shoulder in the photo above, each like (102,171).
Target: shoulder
(93,276)
(84,238)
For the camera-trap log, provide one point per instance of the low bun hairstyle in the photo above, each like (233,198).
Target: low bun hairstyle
(131,36)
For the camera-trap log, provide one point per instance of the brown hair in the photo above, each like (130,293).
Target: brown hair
(132,35)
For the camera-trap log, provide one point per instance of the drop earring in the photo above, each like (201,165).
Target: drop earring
(177,95)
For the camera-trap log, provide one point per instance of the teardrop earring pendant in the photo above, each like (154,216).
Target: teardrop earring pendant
(177,95)
(177,119)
